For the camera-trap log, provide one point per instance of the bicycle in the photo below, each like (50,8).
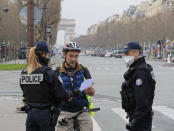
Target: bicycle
(65,120)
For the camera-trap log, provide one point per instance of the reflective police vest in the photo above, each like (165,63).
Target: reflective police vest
(75,84)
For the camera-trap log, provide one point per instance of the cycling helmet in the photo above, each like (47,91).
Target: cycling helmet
(71,46)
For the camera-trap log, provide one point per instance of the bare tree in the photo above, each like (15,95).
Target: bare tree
(51,16)
(13,33)
(142,29)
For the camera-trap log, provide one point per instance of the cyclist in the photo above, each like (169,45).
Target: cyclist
(73,74)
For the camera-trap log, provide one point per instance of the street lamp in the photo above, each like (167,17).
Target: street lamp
(48,28)
(49,35)
(3,55)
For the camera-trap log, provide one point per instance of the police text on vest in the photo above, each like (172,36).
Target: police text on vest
(31,79)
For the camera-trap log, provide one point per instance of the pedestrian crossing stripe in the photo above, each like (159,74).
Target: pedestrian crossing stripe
(122,114)
(165,111)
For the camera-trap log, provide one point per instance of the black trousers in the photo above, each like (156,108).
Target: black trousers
(39,120)
(144,126)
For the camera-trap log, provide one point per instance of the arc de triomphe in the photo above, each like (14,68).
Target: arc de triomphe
(68,25)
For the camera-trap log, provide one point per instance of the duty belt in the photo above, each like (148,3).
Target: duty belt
(44,108)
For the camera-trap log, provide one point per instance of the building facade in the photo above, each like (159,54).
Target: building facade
(92,29)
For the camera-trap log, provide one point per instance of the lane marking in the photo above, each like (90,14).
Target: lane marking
(96,127)
(165,111)
(98,68)
(9,98)
(122,114)
(104,100)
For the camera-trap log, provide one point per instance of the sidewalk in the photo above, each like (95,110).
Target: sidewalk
(55,61)
(168,64)
(163,61)
(17,61)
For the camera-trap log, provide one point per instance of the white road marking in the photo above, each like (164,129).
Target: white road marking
(165,111)
(104,100)
(98,68)
(96,127)
(122,114)
(9,98)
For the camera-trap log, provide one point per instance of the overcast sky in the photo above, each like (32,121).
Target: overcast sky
(88,12)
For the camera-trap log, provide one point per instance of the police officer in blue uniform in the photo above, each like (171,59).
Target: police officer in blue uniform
(42,91)
(137,91)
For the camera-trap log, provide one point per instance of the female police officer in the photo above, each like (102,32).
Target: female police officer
(41,89)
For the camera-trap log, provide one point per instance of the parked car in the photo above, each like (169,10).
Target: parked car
(113,54)
(108,54)
(93,54)
(22,53)
(102,54)
(118,56)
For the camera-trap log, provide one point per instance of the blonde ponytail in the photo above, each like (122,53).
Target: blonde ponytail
(32,61)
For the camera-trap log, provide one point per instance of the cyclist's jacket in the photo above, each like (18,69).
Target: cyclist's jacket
(138,90)
(42,87)
(72,79)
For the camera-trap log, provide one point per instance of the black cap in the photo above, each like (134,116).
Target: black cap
(129,46)
(42,46)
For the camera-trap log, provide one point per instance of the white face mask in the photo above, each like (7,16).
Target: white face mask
(129,60)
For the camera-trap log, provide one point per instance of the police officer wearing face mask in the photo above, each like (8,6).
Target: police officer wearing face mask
(137,91)
(42,91)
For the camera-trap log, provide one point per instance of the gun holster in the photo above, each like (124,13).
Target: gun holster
(54,114)
(26,108)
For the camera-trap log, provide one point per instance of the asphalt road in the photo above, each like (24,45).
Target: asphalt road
(108,76)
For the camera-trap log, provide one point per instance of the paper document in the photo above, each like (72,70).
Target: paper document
(86,84)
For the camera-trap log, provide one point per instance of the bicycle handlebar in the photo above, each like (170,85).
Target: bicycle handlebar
(94,109)
(64,121)
(87,110)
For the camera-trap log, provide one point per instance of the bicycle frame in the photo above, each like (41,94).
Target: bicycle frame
(76,124)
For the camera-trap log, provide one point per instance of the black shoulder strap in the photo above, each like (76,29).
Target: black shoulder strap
(83,69)
(45,68)
(57,70)
(24,71)
(146,67)
(41,69)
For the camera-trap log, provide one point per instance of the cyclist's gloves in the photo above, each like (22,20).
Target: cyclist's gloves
(64,121)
